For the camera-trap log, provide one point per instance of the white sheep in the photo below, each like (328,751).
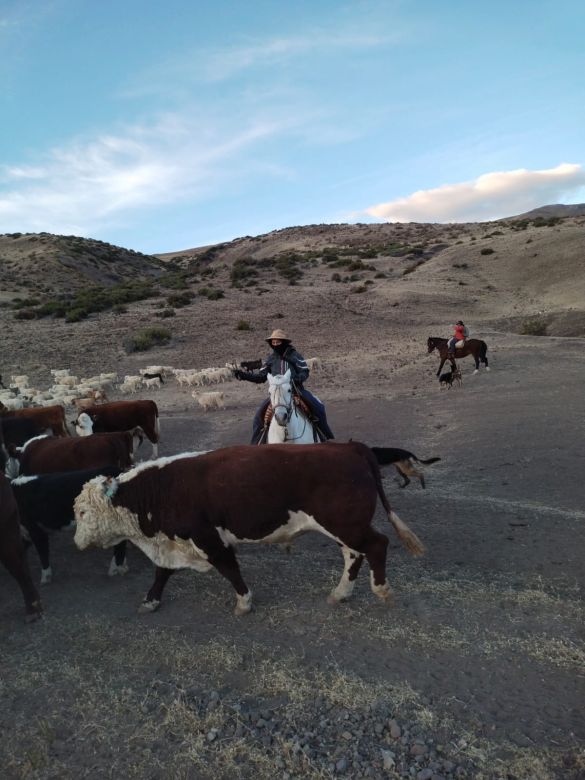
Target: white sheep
(154,382)
(209,401)
(314,363)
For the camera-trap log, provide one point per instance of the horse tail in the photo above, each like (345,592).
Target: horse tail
(408,538)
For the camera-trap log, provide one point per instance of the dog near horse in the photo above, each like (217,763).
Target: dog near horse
(447,379)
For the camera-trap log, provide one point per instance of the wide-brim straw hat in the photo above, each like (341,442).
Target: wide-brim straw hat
(277,334)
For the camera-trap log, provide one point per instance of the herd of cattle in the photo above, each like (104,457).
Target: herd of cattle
(184,511)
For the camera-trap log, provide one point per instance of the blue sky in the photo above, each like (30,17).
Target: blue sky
(163,126)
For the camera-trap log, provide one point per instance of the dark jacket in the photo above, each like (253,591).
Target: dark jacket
(279,364)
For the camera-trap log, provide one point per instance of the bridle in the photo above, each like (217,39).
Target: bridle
(289,408)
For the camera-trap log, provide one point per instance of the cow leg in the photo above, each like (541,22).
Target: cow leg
(40,539)
(352,564)
(224,560)
(118,563)
(13,556)
(154,596)
(374,547)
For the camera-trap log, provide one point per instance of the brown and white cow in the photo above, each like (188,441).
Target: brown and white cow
(121,416)
(189,512)
(46,417)
(49,454)
(12,550)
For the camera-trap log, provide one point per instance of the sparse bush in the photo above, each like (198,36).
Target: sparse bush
(25,314)
(361,289)
(146,338)
(380,275)
(534,326)
(486,251)
(76,315)
(177,300)
(210,293)
(335,277)
(165,313)
(243,325)
(241,270)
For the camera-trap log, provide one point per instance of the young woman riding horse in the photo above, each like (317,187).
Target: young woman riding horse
(283,358)
(475,347)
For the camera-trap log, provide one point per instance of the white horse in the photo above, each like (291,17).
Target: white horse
(288,425)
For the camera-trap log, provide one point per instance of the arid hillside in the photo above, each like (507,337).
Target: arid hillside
(340,289)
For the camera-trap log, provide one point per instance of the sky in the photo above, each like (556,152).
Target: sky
(162,126)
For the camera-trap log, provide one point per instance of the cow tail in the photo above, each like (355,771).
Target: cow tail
(408,538)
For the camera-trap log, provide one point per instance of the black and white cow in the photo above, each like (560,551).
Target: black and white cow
(190,511)
(45,504)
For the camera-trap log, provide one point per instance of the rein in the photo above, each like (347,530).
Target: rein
(289,412)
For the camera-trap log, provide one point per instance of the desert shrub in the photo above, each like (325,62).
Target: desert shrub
(20,303)
(165,313)
(25,314)
(119,308)
(175,280)
(242,269)
(146,338)
(177,300)
(335,277)
(211,293)
(534,326)
(486,251)
(243,325)
(368,253)
(380,275)
(76,315)
(544,222)
(361,289)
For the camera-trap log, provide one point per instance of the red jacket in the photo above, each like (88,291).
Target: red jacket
(459,332)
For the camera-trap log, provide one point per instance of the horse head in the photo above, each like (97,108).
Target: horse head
(280,389)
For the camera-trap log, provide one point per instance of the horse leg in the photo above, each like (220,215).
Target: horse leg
(476,358)
(442,363)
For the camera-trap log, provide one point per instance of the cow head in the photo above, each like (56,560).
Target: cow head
(83,424)
(98,521)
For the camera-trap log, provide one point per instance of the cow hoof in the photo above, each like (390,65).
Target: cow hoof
(37,614)
(148,606)
(487,368)
(46,576)
(334,600)
(244,604)
(116,569)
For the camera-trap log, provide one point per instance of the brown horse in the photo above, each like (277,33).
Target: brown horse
(475,347)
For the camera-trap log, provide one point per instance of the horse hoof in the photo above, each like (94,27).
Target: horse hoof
(487,368)
(476,371)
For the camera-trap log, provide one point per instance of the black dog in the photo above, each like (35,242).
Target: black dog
(447,379)
(402,462)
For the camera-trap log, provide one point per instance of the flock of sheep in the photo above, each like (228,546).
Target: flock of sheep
(69,390)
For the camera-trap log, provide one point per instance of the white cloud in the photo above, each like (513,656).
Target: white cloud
(83,186)
(226,62)
(490,196)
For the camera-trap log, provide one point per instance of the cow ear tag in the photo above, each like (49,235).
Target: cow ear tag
(111,488)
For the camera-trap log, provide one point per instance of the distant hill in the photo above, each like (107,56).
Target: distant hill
(558,210)
(48,264)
